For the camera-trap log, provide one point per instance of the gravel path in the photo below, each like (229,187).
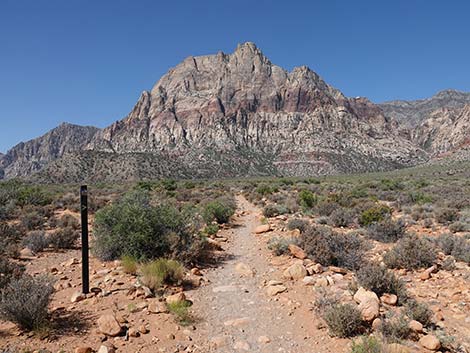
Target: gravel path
(237,314)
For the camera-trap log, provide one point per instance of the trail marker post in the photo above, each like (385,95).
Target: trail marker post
(84,220)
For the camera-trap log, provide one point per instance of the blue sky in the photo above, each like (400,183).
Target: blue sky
(86,62)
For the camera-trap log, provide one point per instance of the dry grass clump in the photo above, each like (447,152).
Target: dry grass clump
(156,273)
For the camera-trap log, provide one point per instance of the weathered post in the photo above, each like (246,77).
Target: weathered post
(84,220)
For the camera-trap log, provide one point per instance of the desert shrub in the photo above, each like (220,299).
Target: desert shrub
(156,273)
(448,264)
(428,222)
(307,198)
(296,223)
(211,229)
(386,230)
(31,220)
(64,238)
(169,184)
(274,210)
(36,241)
(129,264)
(264,189)
(367,344)
(454,245)
(24,301)
(219,210)
(280,246)
(341,217)
(418,311)
(395,329)
(374,214)
(9,240)
(380,280)
(326,208)
(411,252)
(180,309)
(131,226)
(331,248)
(32,195)
(68,221)
(9,271)
(322,220)
(343,320)
(458,227)
(446,215)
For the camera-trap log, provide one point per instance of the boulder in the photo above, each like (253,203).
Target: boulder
(362,295)
(77,297)
(430,342)
(262,229)
(369,309)
(309,281)
(297,252)
(276,289)
(415,326)
(108,325)
(295,271)
(389,299)
(178,297)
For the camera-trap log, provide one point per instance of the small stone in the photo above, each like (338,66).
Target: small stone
(106,349)
(430,342)
(133,332)
(242,345)
(263,339)
(415,326)
(175,298)
(244,270)
(70,262)
(297,252)
(425,275)
(296,271)
(157,307)
(389,299)
(84,350)
(143,329)
(262,229)
(108,325)
(77,297)
(336,269)
(26,253)
(376,324)
(195,271)
(276,289)
(309,281)
(321,282)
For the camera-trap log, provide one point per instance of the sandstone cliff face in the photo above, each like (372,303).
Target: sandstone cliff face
(242,101)
(29,157)
(444,131)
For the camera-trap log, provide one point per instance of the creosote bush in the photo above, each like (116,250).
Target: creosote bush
(411,252)
(331,248)
(307,198)
(132,226)
(374,214)
(219,210)
(159,272)
(24,301)
(380,280)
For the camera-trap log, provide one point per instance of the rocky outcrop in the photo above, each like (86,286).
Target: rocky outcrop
(29,157)
(413,113)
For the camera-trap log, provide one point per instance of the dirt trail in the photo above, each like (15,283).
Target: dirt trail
(236,312)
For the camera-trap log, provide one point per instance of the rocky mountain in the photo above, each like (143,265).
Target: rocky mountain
(445,130)
(29,157)
(412,113)
(231,115)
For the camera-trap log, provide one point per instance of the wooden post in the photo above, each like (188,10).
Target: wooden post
(84,219)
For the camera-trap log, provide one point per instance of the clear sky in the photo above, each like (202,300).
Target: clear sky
(86,62)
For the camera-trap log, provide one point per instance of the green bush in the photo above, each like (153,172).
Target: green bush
(331,248)
(374,215)
(24,301)
(211,229)
(219,210)
(131,226)
(307,198)
(9,240)
(181,311)
(378,279)
(264,189)
(156,273)
(411,252)
(343,320)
